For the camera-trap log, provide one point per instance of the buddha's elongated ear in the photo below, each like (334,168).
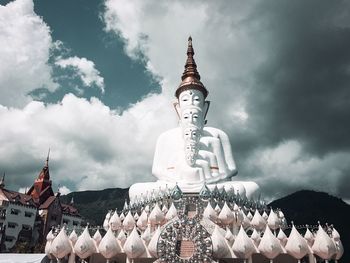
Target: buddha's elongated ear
(177,109)
(206,109)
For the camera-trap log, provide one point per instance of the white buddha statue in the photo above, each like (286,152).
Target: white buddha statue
(193,154)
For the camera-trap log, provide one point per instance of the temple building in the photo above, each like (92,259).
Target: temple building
(29,217)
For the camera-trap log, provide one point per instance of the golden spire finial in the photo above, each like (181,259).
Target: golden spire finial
(190,66)
(190,77)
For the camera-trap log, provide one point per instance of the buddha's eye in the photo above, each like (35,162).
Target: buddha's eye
(185,98)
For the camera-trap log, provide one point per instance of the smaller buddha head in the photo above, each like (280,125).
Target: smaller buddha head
(190,99)
(191,133)
(192,116)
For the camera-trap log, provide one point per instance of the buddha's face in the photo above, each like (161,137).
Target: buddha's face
(191,97)
(192,116)
(191,134)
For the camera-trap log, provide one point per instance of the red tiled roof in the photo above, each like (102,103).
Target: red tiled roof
(48,202)
(70,210)
(17,197)
(46,189)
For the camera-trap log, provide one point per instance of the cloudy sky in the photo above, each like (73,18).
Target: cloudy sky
(94,81)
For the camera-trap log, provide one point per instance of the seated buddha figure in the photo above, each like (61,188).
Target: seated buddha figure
(193,154)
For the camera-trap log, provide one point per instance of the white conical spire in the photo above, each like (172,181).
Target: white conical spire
(129,222)
(85,246)
(282,237)
(220,247)
(106,221)
(97,237)
(246,221)
(243,246)
(217,209)
(136,216)
(122,216)
(296,244)
(60,246)
(143,220)
(50,236)
(309,237)
(258,222)
(109,246)
(172,212)
(256,237)
(210,213)
(273,220)
(152,246)
(226,216)
(147,235)
(121,237)
(239,217)
(164,209)
(269,244)
(283,221)
(49,239)
(265,216)
(115,222)
(229,236)
(338,244)
(250,216)
(335,234)
(73,237)
(156,217)
(323,246)
(134,246)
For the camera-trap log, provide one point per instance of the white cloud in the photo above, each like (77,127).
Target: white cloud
(64,190)
(22,190)
(25,49)
(226,49)
(92,146)
(85,69)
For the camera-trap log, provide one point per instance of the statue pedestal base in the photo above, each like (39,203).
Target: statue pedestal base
(250,190)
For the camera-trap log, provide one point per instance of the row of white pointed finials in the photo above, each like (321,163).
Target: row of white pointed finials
(137,236)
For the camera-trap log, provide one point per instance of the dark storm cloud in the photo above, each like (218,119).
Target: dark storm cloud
(300,93)
(304,86)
